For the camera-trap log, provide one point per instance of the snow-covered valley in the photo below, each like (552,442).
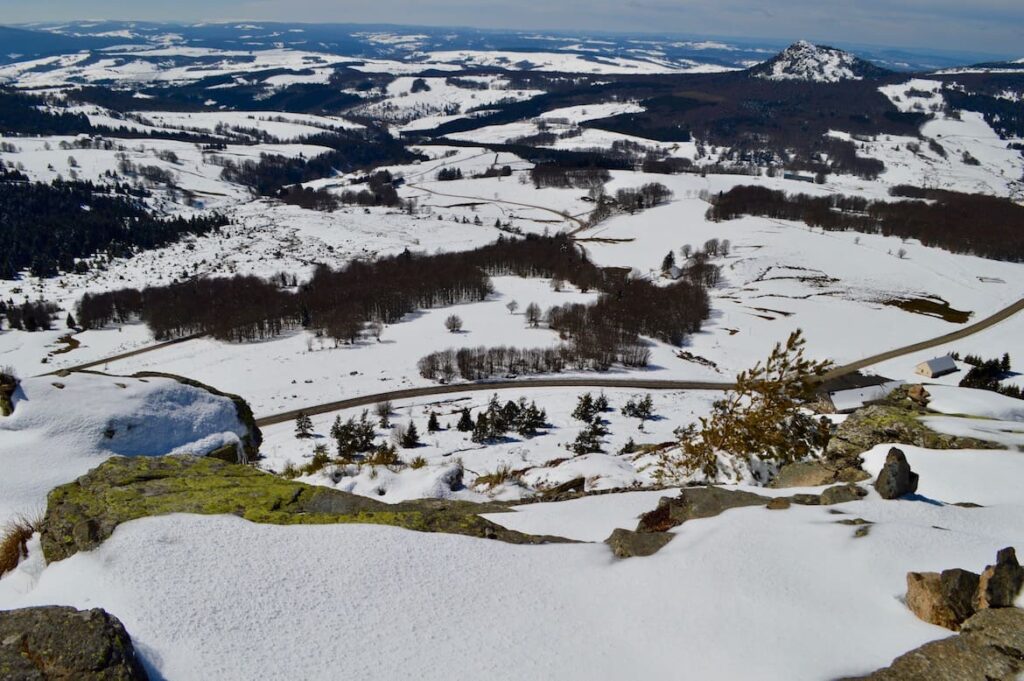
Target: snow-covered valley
(317,455)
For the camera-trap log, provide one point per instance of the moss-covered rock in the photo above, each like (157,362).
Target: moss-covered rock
(82,514)
(898,422)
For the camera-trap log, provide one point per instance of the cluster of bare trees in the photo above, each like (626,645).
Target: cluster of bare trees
(482,362)
(996,225)
(565,177)
(635,306)
(343,304)
(337,303)
(28,316)
(378,189)
(595,337)
(634,200)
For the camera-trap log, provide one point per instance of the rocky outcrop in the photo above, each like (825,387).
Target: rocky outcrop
(816,474)
(883,423)
(999,584)
(945,599)
(918,395)
(627,543)
(950,598)
(567,490)
(990,647)
(896,480)
(706,502)
(8,386)
(253,438)
(841,494)
(64,643)
(696,502)
(82,514)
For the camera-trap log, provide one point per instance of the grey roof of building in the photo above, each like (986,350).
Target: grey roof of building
(945,363)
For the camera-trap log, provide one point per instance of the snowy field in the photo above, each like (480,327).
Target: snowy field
(297,370)
(779,276)
(579,612)
(751,594)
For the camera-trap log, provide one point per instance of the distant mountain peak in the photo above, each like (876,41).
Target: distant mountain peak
(806,61)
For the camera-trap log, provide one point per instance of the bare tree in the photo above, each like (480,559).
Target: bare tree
(512,307)
(453,323)
(533,314)
(383,412)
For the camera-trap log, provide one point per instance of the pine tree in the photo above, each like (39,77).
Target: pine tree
(530,420)
(587,442)
(510,414)
(410,437)
(465,424)
(1004,364)
(669,262)
(482,430)
(432,424)
(303,425)
(642,409)
(71,322)
(762,417)
(585,408)
(352,436)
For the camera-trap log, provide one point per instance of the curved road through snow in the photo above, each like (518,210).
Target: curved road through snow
(629,383)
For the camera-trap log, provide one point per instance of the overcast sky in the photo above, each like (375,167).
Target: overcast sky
(993,26)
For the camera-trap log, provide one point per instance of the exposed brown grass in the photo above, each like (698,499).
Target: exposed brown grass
(14,542)
(500,476)
(384,455)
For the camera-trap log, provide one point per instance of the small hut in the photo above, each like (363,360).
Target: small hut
(940,366)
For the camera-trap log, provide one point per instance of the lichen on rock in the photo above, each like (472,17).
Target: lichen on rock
(63,643)
(82,514)
(884,423)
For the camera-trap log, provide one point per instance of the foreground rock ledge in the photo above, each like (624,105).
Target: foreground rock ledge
(990,647)
(64,643)
(82,514)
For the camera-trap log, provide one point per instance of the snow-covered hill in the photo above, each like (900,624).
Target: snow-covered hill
(816,63)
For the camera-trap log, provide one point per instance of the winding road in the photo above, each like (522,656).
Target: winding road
(595,382)
(627,383)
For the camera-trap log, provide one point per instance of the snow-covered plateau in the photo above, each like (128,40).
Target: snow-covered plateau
(439,509)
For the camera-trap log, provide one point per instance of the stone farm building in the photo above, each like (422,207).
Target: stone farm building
(940,366)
